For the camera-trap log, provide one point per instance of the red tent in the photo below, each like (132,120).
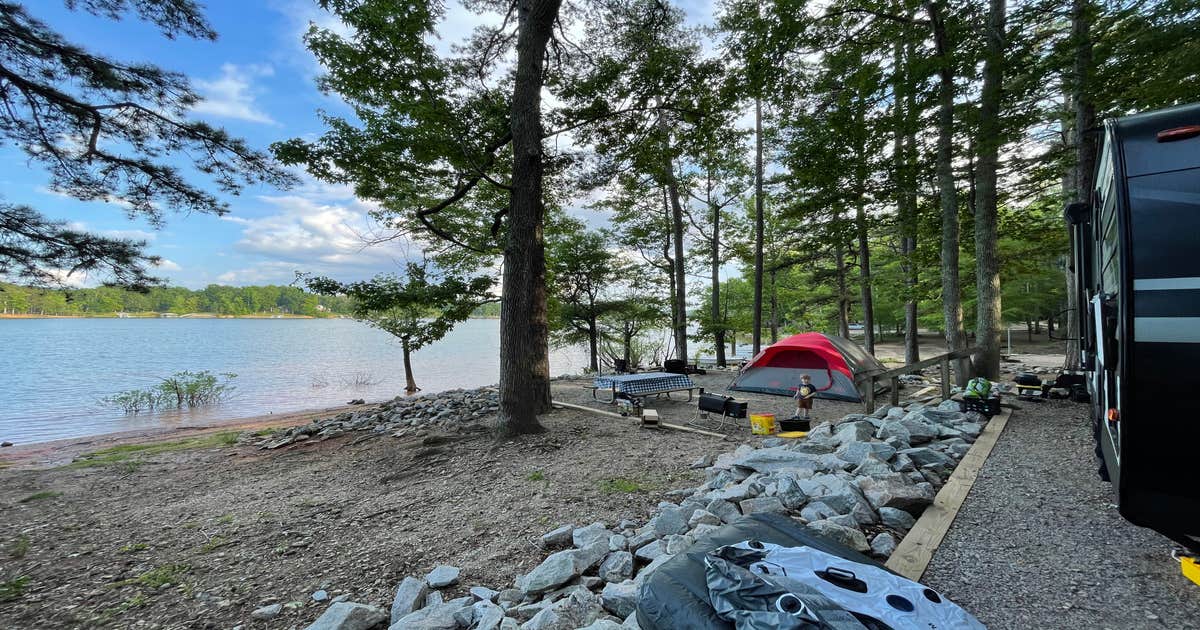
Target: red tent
(832,363)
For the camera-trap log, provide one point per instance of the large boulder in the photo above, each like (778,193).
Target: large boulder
(763,504)
(941,463)
(894,493)
(410,595)
(894,429)
(724,510)
(896,518)
(576,611)
(670,520)
(859,431)
(561,567)
(584,536)
(443,575)
(560,537)
(349,616)
(856,451)
(847,536)
(765,460)
(620,599)
(617,567)
(883,544)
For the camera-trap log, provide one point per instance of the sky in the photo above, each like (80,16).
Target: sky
(258,82)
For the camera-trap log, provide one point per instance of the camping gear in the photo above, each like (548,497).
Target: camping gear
(833,363)
(676,595)
(1025,378)
(620,366)
(762,423)
(791,435)
(675,366)
(645,384)
(714,403)
(763,585)
(986,406)
(978,388)
(795,424)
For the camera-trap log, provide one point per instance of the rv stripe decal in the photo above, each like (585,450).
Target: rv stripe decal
(1165,284)
(1166,329)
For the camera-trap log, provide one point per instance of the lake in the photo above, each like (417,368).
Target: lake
(53,372)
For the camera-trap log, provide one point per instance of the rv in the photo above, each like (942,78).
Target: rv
(1136,264)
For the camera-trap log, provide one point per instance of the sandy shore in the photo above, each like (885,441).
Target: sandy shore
(59,452)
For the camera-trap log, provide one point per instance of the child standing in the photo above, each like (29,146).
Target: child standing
(804,397)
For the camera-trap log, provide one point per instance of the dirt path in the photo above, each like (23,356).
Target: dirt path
(200,537)
(1039,544)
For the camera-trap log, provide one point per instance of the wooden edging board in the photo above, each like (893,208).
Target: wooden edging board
(913,554)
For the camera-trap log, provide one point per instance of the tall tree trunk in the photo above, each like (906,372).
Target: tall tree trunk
(952,315)
(410,384)
(524,331)
(593,344)
(864,276)
(679,287)
(718,325)
(1079,180)
(758,224)
(843,303)
(987,262)
(774,310)
(905,159)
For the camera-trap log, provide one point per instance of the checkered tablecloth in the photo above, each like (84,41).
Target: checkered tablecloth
(648,382)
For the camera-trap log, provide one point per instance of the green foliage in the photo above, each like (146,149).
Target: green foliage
(123,455)
(213,299)
(158,576)
(133,548)
(180,390)
(13,589)
(19,547)
(536,475)
(38,496)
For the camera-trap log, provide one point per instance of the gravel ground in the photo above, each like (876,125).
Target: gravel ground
(1039,544)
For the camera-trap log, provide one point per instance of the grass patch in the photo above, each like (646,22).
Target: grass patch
(13,589)
(133,547)
(225,519)
(215,543)
(266,432)
(536,475)
(158,576)
(38,496)
(123,454)
(621,485)
(19,548)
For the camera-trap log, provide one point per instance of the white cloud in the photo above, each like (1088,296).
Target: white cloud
(232,94)
(168,265)
(133,235)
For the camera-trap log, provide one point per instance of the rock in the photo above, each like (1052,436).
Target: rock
(617,542)
(872,466)
(591,555)
(631,622)
(617,567)
(700,531)
(445,616)
(883,545)
(558,568)
(893,429)
(510,596)
(483,593)
(816,511)
(902,463)
(5,443)
(724,510)
(896,518)
(762,504)
(576,611)
(677,544)
(651,551)
(949,405)
(893,493)
(349,616)
(620,599)
(859,431)
(320,596)
(941,463)
(649,569)
(443,575)
(670,520)
(703,517)
(766,460)
(591,583)
(603,624)
(644,537)
(486,616)
(704,461)
(560,537)
(585,536)
(855,452)
(410,595)
(434,598)
(847,536)
(919,431)
(267,612)
(741,491)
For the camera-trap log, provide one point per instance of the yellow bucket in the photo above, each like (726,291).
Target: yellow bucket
(762,423)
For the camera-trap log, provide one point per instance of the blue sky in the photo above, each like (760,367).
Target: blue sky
(258,82)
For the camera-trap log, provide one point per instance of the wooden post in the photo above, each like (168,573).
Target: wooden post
(869,396)
(945,379)
(895,391)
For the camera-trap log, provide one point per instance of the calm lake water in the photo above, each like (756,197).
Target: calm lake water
(53,372)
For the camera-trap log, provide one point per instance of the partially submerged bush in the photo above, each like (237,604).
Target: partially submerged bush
(181,389)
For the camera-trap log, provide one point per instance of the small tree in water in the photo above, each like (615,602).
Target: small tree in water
(418,308)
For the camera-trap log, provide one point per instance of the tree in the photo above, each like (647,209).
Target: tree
(417,308)
(108,131)
(581,268)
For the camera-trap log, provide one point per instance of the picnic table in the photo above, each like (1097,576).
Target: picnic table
(644,384)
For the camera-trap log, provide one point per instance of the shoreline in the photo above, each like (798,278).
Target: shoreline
(63,451)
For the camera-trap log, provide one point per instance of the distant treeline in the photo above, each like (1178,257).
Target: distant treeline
(216,299)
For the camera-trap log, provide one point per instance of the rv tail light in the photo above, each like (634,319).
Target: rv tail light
(1179,133)
(1114,415)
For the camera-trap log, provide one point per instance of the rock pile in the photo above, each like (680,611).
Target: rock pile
(862,481)
(447,410)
